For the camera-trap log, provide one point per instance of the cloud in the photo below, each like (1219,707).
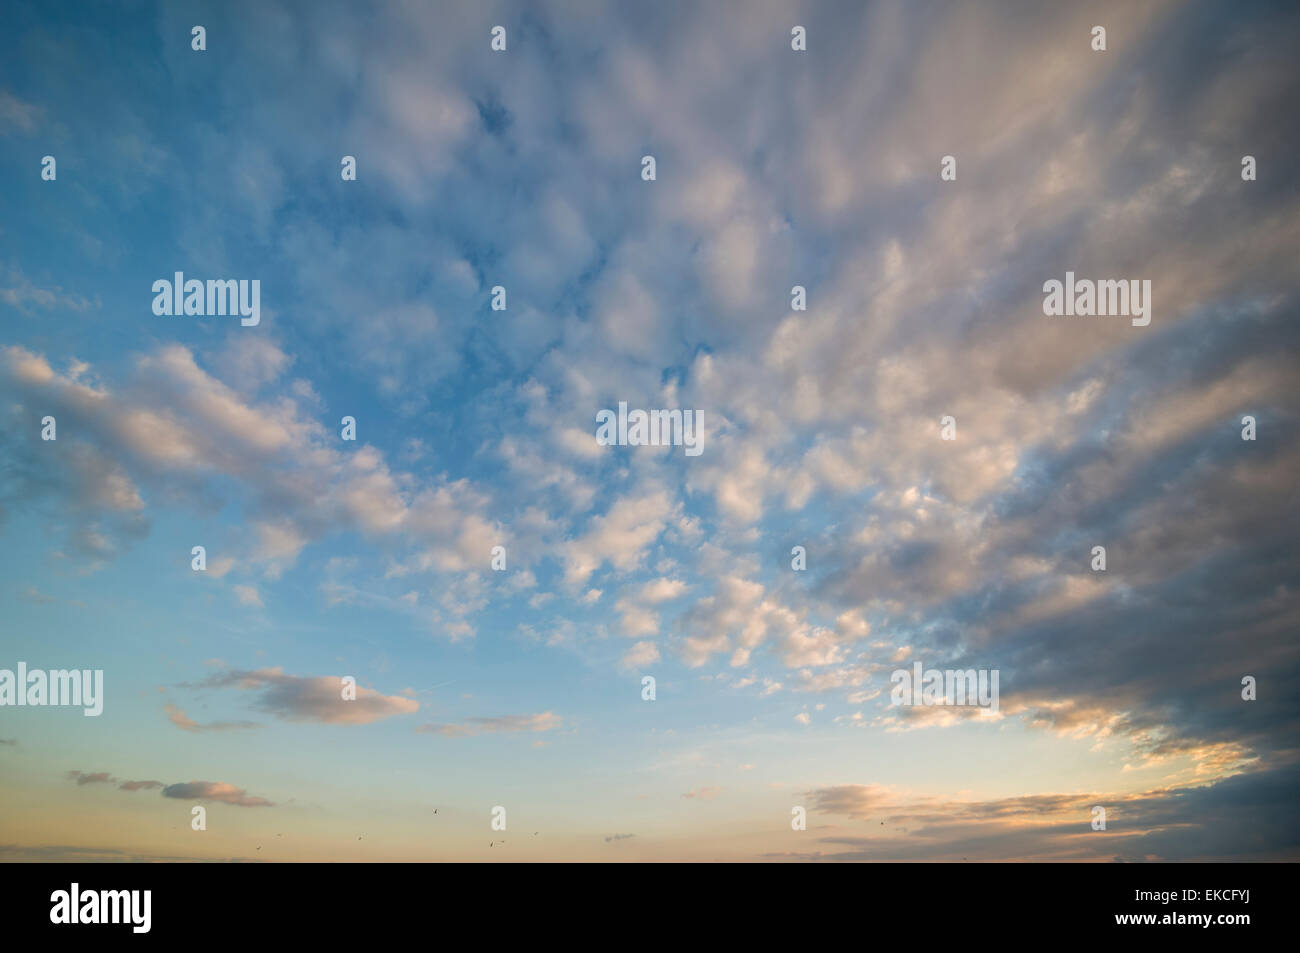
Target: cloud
(542,721)
(140,785)
(620,537)
(853,800)
(99,777)
(183,721)
(36,597)
(248,363)
(193,790)
(176,429)
(1243,817)
(19,293)
(636,607)
(21,114)
(320,699)
(640,655)
(248,596)
(703,794)
(924,300)
(214,791)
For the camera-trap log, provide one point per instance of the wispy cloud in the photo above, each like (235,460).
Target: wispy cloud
(542,721)
(183,721)
(703,794)
(140,785)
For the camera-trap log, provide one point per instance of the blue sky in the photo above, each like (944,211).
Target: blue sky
(475,427)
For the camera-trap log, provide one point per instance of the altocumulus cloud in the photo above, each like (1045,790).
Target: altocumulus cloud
(925,300)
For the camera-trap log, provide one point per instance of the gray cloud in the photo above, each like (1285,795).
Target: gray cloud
(214,791)
(82,778)
(140,785)
(192,790)
(303,698)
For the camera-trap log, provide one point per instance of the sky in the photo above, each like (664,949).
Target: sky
(522,688)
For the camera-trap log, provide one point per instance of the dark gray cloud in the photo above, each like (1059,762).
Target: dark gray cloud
(1246,817)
